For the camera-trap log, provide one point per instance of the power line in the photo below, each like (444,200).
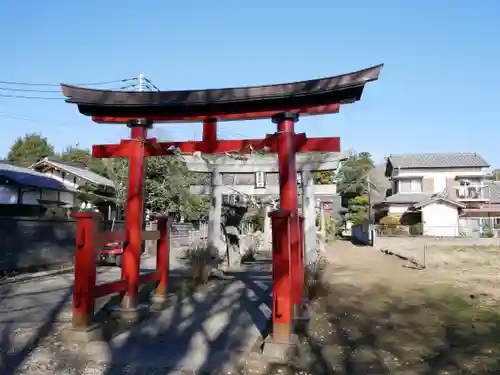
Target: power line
(144,83)
(29,90)
(76,84)
(29,97)
(36,122)
(151,84)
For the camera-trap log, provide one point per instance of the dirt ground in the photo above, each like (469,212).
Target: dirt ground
(382,317)
(473,267)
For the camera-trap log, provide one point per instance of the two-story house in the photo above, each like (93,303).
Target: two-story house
(439,190)
(24,192)
(76,178)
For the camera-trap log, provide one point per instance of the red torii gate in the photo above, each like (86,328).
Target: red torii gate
(283,103)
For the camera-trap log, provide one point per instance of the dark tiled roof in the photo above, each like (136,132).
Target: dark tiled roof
(493,191)
(438,160)
(29,177)
(80,171)
(437,198)
(407,198)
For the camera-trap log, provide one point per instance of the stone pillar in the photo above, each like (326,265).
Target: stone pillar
(267,242)
(322,232)
(215,214)
(322,218)
(309,210)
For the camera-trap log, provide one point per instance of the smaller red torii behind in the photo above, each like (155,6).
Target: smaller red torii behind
(288,289)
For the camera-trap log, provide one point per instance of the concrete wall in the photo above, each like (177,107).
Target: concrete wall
(32,242)
(29,242)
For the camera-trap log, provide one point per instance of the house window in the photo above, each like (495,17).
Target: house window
(260,180)
(410,186)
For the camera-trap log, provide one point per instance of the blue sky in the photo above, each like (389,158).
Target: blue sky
(437,93)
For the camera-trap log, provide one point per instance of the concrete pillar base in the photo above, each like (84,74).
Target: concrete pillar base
(279,350)
(129,315)
(83,334)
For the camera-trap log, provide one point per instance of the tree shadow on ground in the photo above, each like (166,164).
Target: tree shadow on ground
(18,343)
(208,332)
(382,330)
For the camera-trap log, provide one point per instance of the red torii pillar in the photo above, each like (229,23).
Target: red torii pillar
(135,212)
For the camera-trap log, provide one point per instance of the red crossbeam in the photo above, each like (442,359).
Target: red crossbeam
(304,111)
(155,148)
(120,286)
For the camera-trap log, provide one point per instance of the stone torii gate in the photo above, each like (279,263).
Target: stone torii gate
(283,103)
(258,175)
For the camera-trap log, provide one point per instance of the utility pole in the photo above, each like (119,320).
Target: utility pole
(369,198)
(141,82)
(370,229)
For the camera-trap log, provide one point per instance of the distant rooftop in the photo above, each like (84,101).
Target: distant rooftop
(408,198)
(493,191)
(438,160)
(78,170)
(29,177)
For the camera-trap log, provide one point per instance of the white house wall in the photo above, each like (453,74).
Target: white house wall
(439,175)
(440,220)
(68,182)
(8,194)
(67,197)
(397,210)
(50,195)
(30,197)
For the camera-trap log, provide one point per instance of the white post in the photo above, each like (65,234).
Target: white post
(141,82)
(309,210)
(322,218)
(268,238)
(215,214)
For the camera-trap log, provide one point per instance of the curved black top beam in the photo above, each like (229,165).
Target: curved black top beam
(344,88)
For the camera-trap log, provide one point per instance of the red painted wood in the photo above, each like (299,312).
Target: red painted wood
(134,217)
(304,111)
(149,277)
(289,194)
(154,148)
(84,293)
(210,134)
(282,303)
(163,254)
(112,287)
(299,290)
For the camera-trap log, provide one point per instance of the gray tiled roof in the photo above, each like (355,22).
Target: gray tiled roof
(407,198)
(81,172)
(437,198)
(29,177)
(438,160)
(493,191)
